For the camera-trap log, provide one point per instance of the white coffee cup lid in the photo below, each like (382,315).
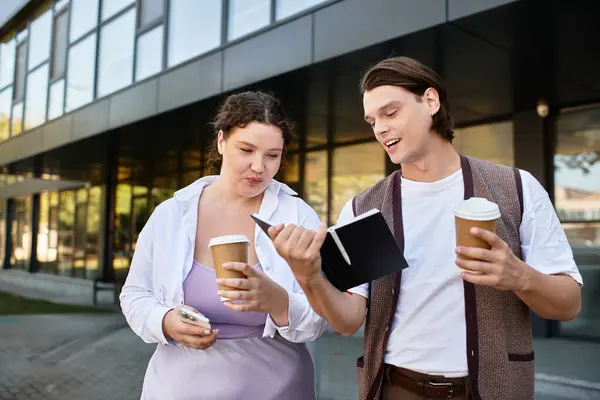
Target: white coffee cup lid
(229,239)
(477,209)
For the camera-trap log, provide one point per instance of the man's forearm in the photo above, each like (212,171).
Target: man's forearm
(345,313)
(556,297)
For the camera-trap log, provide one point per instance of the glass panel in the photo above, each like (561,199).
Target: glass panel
(246,16)
(585,242)
(92,264)
(66,239)
(21,233)
(139,216)
(150,10)
(17,119)
(36,100)
(5,103)
(285,8)
(194,28)
(315,192)
(351,177)
(7,62)
(111,7)
(2,231)
(57,99)
(60,4)
(149,53)
(317,110)
(84,17)
(80,79)
(39,40)
(493,142)
(577,166)
(59,56)
(122,250)
(115,69)
(20,71)
(43,229)
(349,122)
(291,172)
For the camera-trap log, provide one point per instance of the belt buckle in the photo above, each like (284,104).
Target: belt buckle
(444,384)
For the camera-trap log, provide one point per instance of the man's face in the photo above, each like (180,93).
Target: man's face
(401,120)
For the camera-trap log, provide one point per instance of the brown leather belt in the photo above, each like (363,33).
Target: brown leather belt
(428,386)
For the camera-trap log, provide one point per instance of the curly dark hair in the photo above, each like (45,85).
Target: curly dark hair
(240,109)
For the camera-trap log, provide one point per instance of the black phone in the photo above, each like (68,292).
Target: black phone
(264,225)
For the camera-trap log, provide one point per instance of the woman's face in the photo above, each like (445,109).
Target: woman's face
(251,157)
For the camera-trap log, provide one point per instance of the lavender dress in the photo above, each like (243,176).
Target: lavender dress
(241,364)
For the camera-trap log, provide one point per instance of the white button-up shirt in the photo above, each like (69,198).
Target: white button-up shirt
(164,254)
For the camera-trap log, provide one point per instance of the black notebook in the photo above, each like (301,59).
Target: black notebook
(358,251)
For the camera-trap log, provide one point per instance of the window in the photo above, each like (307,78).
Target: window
(17,119)
(21,233)
(2,231)
(115,69)
(149,56)
(194,28)
(493,142)
(285,8)
(351,177)
(577,166)
(84,17)
(20,71)
(56,99)
(59,44)
(246,16)
(111,7)
(150,11)
(349,122)
(36,99)
(39,40)
(315,191)
(5,105)
(80,79)
(7,62)
(60,4)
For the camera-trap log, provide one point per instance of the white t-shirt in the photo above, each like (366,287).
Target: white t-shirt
(429,330)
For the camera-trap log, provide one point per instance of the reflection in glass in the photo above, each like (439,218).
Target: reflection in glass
(66,239)
(493,142)
(317,107)
(17,119)
(285,8)
(194,28)
(149,53)
(315,186)
(39,40)
(577,166)
(150,10)
(59,43)
(80,78)
(2,231)
(291,172)
(351,177)
(46,236)
(92,251)
(246,16)
(584,239)
(115,69)
(20,71)
(7,62)
(21,233)
(122,249)
(5,105)
(36,99)
(57,99)
(111,7)
(349,122)
(84,17)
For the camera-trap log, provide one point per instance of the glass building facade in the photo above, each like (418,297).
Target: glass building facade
(71,54)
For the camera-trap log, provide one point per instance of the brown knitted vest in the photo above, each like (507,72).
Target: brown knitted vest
(499,339)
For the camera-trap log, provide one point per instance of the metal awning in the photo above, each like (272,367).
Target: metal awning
(23,186)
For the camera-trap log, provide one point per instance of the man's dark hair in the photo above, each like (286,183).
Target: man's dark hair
(415,77)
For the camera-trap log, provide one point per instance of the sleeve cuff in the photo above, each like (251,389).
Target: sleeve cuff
(271,327)
(154,323)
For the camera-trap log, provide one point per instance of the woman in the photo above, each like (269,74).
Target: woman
(255,349)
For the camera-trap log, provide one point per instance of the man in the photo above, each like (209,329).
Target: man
(434,330)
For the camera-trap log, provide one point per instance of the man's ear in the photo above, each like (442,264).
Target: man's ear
(431,97)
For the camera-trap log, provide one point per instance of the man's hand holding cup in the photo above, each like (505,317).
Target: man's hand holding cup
(300,247)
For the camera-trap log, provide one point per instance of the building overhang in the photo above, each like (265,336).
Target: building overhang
(13,186)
